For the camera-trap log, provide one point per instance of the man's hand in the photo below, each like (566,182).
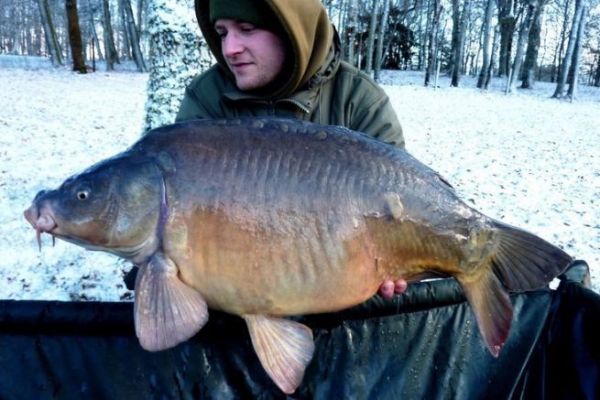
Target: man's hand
(388,288)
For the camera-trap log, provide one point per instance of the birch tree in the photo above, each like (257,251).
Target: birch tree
(123,40)
(422,33)
(558,52)
(110,51)
(530,11)
(485,72)
(459,27)
(574,72)
(52,43)
(372,35)
(381,38)
(91,30)
(351,24)
(566,64)
(132,34)
(432,49)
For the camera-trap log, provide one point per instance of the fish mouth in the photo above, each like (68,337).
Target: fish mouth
(43,221)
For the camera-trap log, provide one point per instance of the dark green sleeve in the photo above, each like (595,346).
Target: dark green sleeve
(365,106)
(191,108)
(378,119)
(202,97)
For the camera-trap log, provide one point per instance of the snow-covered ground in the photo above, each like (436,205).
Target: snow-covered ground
(524,158)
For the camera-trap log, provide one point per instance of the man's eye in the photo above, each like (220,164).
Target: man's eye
(247,27)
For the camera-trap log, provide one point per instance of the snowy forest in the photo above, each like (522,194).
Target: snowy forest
(509,147)
(524,40)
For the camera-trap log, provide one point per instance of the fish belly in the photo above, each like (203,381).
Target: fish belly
(248,271)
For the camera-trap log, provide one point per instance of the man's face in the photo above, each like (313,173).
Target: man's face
(254,56)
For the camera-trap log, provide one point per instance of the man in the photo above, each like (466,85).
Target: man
(282,58)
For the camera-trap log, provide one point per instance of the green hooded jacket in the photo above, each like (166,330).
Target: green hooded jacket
(321,88)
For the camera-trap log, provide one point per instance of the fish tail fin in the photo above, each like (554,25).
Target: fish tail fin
(519,261)
(524,261)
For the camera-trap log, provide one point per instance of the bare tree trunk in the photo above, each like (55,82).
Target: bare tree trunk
(132,33)
(351,31)
(433,40)
(371,42)
(533,48)
(124,47)
(574,73)
(110,50)
(95,40)
(177,54)
(495,46)
(558,54)
(455,39)
(13,33)
(523,36)
(566,64)
(422,34)
(38,39)
(28,39)
(459,28)
(382,31)
(507,22)
(75,36)
(342,15)
(50,34)
(487,42)
(596,78)
(140,14)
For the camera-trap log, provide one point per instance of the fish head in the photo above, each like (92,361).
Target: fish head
(112,206)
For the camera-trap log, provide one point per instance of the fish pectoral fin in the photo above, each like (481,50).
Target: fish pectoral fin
(166,311)
(284,348)
(492,307)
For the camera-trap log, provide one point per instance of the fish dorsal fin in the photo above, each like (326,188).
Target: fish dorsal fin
(492,307)
(284,348)
(166,311)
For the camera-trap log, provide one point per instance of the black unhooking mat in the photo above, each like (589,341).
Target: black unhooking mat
(422,345)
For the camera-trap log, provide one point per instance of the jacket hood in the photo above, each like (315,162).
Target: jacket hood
(309,34)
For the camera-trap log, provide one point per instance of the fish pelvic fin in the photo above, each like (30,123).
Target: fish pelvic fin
(166,310)
(492,307)
(524,261)
(284,348)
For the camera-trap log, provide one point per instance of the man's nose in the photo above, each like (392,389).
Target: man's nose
(231,45)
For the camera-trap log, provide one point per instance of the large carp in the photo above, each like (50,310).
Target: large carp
(266,218)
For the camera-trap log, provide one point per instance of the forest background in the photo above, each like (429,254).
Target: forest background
(522,147)
(522,41)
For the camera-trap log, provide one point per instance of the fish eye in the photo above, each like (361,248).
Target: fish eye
(83,194)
